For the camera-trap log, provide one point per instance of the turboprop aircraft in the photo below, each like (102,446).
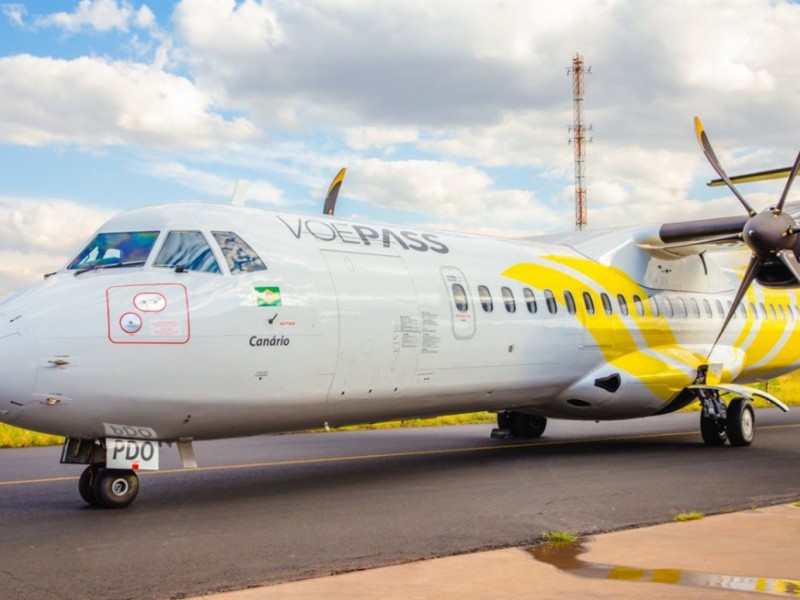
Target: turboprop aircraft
(187,322)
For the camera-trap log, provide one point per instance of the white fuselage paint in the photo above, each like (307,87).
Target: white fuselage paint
(367,329)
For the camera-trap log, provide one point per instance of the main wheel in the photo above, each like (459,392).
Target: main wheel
(115,488)
(504,420)
(527,426)
(714,432)
(85,484)
(741,422)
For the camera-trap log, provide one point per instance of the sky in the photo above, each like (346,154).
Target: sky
(447,114)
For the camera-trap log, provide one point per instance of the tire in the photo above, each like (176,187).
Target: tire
(85,484)
(527,426)
(714,433)
(504,420)
(115,488)
(741,422)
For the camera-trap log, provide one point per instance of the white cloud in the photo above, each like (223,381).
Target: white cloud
(15,13)
(208,183)
(385,138)
(39,236)
(100,15)
(96,101)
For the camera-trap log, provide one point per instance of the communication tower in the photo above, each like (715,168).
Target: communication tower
(579,140)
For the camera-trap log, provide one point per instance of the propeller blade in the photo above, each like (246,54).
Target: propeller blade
(749,276)
(789,182)
(333,193)
(712,158)
(790,260)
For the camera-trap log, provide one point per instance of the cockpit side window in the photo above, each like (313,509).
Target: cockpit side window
(241,258)
(124,249)
(187,250)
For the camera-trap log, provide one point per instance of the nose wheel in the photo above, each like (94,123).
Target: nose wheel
(108,488)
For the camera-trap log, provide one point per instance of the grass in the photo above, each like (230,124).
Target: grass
(14,437)
(558,538)
(465,419)
(688,516)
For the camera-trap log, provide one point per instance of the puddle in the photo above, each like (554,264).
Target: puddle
(565,558)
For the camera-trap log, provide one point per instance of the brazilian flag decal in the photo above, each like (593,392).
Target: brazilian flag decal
(268,296)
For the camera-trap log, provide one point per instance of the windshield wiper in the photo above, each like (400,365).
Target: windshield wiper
(133,263)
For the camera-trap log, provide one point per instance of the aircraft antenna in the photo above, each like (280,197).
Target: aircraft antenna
(579,140)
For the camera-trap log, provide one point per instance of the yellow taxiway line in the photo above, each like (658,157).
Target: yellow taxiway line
(360,457)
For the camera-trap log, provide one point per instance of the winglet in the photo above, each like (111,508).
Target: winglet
(333,193)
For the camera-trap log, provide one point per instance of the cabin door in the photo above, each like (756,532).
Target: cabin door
(379,325)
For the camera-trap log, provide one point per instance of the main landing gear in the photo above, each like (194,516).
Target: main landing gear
(735,424)
(108,488)
(520,425)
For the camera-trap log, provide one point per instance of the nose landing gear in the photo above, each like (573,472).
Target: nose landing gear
(108,488)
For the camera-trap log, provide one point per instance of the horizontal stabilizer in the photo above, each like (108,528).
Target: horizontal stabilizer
(781,173)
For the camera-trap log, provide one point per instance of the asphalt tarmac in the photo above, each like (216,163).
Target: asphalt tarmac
(278,508)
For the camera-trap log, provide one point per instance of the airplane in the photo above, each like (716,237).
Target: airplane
(185,322)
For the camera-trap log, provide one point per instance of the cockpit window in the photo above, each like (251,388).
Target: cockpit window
(124,249)
(187,250)
(241,258)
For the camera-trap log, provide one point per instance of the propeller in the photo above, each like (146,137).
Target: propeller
(333,193)
(770,234)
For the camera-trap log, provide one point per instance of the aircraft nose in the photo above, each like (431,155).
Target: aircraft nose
(18,366)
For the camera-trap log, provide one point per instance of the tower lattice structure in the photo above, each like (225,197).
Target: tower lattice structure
(579,141)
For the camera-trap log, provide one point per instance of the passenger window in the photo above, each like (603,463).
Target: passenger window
(666,306)
(486,298)
(695,307)
(654,306)
(637,302)
(682,312)
(588,303)
(623,305)
(550,300)
(606,303)
(570,301)
(460,297)
(508,299)
(772,311)
(783,314)
(187,250)
(763,310)
(707,307)
(241,258)
(790,312)
(530,299)
(124,249)
(720,309)
(742,309)
(753,310)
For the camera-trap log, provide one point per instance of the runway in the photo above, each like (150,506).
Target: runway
(277,508)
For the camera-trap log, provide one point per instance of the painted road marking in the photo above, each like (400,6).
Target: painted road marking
(360,457)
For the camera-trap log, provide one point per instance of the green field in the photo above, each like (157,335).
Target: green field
(787,388)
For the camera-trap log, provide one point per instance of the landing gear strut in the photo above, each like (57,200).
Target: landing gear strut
(719,424)
(108,488)
(521,425)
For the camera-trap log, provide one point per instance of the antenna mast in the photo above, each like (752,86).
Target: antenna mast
(579,140)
